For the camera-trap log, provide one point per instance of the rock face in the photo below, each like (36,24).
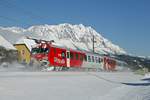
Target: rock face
(68,35)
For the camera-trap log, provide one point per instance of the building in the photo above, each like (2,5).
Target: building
(23,53)
(24,47)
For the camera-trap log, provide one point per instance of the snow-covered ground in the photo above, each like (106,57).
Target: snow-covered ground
(19,85)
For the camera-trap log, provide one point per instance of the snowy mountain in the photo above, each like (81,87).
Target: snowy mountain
(68,35)
(13,29)
(10,35)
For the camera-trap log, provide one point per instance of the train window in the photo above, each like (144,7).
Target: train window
(76,56)
(85,58)
(54,50)
(96,59)
(92,58)
(68,56)
(89,58)
(81,57)
(63,54)
(99,60)
(71,55)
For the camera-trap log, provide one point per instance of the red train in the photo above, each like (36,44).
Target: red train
(51,55)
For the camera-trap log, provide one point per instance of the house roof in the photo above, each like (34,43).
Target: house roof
(7,45)
(28,43)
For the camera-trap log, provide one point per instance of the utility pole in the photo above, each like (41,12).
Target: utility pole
(93,40)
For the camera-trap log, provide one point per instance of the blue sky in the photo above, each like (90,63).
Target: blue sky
(124,22)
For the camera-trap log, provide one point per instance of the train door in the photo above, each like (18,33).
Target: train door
(68,58)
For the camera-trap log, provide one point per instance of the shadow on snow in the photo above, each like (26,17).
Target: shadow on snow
(147,83)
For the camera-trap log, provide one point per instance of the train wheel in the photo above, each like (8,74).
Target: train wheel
(44,64)
(50,68)
(65,68)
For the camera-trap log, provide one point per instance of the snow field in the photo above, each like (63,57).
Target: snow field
(70,86)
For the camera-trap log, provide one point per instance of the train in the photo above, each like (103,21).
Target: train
(49,55)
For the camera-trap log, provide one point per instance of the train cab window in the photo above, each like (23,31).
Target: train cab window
(77,56)
(89,58)
(85,58)
(43,50)
(92,58)
(46,50)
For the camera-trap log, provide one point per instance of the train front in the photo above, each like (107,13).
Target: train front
(39,56)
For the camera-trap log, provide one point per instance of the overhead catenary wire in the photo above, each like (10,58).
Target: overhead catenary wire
(8,18)
(17,7)
(12,19)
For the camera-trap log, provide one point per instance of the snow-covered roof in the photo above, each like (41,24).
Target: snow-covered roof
(29,43)
(6,44)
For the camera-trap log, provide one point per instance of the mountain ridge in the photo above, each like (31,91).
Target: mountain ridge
(71,36)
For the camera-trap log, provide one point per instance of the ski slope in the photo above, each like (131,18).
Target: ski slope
(70,86)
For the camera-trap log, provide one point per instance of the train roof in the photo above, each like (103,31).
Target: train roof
(63,47)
